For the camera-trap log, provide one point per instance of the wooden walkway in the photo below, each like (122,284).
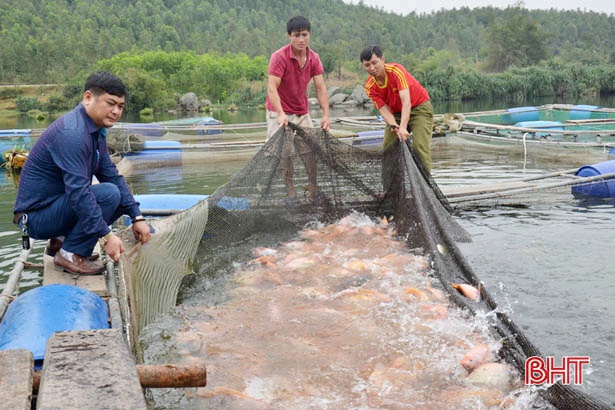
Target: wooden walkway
(89,369)
(86,369)
(53,275)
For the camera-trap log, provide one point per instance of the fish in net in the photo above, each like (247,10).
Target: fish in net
(301,176)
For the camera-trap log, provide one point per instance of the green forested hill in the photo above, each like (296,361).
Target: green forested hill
(44,41)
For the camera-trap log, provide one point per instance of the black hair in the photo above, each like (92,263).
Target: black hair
(298,23)
(103,82)
(368,51)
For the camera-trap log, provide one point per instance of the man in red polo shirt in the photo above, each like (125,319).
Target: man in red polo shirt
(401,100)
(291,68)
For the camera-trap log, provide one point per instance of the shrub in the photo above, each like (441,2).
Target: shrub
(25,104)
(146,112)
(57,103)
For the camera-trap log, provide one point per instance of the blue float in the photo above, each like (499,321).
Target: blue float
(150,129)
(35,315)
(372,137)
(158,129)
(585,112)
(165,204)
(158,148)
(159,152)
(549,125)
(542,125)
(170,202)
(198,122)
(600,188)
(519,114)
(15,133)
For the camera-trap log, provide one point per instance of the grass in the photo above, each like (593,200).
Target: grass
(7,105)
(8,113)
(8,94)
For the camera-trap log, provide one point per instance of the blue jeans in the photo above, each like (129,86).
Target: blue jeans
(59,219)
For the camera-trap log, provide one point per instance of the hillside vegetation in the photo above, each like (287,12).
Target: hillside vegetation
(220,48)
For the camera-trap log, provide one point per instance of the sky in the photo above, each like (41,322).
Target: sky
(404,7)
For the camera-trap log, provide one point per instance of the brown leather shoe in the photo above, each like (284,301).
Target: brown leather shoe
(54,245)
(79,265)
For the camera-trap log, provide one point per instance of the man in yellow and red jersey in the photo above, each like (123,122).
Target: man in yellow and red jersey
(401,100)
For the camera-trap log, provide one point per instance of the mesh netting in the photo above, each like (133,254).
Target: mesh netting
(120,141)
(304,175)
(153,273)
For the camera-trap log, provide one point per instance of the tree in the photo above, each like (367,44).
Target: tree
(517,40)
(332,57)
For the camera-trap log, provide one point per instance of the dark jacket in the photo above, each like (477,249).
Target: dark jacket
(62,162)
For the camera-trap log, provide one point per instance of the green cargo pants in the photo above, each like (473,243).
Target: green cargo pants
(421,128)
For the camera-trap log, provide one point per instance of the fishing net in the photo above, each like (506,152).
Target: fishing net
(120,141)
(300,176)
(153,273)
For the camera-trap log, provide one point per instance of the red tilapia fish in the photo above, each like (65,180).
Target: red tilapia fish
(343,317)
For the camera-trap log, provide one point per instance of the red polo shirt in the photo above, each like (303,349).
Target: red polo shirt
(295,80)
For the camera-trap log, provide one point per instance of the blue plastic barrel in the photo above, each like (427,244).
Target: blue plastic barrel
(599,188)
(585,112)
(35,315)
(518,114)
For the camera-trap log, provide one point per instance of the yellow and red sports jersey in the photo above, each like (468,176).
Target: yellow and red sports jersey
(397,78)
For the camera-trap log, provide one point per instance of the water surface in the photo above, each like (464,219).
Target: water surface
(546,258)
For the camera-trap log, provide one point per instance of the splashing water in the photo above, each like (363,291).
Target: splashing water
(343,317)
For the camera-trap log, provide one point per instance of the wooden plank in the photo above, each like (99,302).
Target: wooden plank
(53,274)
(521,183)
(500,193)
(457,191)
(16,379)
(90,369)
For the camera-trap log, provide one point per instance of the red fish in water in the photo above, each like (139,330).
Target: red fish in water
(476,356)
(468,291)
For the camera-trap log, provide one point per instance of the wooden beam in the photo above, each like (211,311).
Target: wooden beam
(16,379)
(91,369)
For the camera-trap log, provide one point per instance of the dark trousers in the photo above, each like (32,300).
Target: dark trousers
(59,219)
